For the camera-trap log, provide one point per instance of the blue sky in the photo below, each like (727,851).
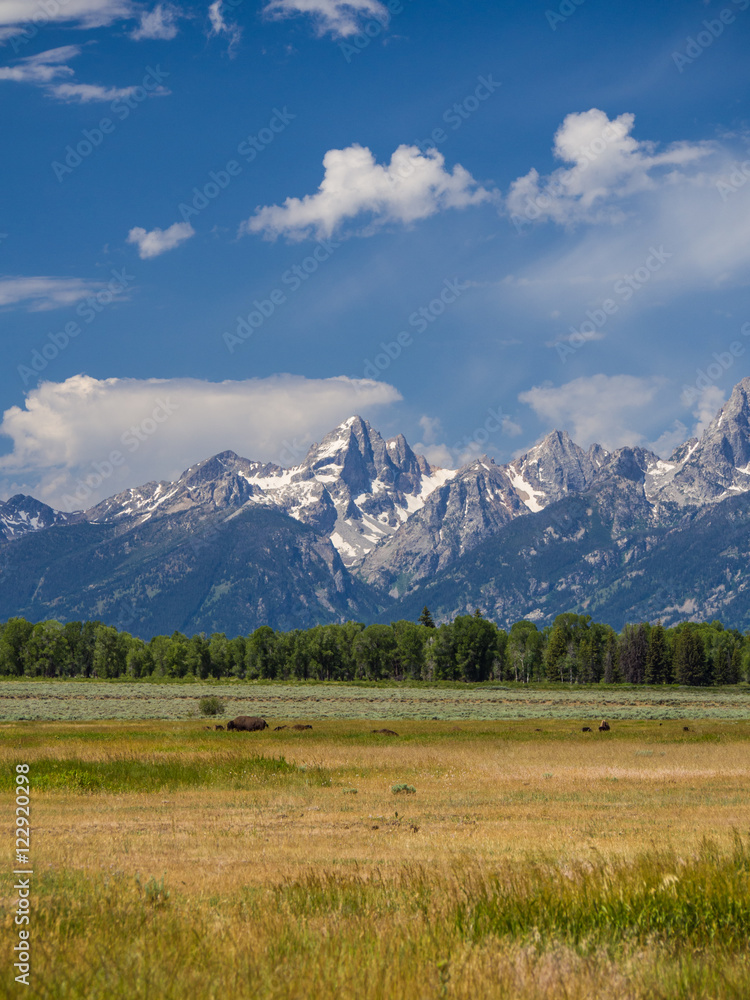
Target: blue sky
(233,213)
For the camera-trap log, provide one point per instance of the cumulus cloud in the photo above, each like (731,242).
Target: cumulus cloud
(15,14)
(607,166)
(339,18)
(690,200)
(158,241)
(39,293)
(66,432)
(599,408)
(412,186)
(159,23)
(221,26)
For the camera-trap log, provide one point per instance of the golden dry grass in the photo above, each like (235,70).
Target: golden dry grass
(491,797)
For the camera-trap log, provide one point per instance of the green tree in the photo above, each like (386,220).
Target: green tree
(376,652)
(658,668)
(525,651)
(475,647)
(13,638)
(690,656)
(426,618)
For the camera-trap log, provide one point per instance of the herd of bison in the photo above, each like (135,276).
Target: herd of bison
(253,723)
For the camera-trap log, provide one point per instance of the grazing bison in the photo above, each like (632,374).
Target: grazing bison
(586,729)
(247,723)
(686,729)
(219,727)
(278,729)
(604,727)
(385,732)
(299,726)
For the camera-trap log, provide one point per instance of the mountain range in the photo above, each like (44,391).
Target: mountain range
(364,528)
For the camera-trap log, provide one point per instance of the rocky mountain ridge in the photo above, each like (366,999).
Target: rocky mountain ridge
(383,515)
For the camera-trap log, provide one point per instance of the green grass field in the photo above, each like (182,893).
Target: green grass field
(87,700)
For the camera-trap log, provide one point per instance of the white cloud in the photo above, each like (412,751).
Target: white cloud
(413,186)
(220,25)
(705,407)
(599,408)
(40,293)
(608,165)
(690,200)
(670,439)
(43,67)
(14,14)
(161,23)
(66,432)
(340,18)
(158,241)
(47,67)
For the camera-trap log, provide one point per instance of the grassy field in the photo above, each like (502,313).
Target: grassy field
(86,700)
(532,860)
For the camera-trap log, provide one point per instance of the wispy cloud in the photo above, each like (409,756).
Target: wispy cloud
(219,25)
(339,18)
(412,186)
(40,293)
(14,14)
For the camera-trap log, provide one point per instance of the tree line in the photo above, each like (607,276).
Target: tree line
(574,650)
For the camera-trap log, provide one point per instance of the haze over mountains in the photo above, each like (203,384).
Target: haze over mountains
(364,528)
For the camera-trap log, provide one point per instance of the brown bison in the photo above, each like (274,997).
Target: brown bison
(219,727)
(385,732)
(586,729)
(277,729)
(604,727)
(247,723)
(299,726)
